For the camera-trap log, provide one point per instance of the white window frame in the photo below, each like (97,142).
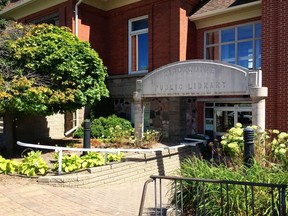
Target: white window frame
(132,33)
(235,42)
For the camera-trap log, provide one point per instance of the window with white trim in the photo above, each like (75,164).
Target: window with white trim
(239,45)
(138,45)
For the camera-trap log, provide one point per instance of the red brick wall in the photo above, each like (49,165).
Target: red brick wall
(165,45)
(275,61)
(93,28)
(108,31)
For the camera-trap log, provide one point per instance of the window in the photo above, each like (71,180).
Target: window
(239,45)
(50,19)
(219,117)
(138,45)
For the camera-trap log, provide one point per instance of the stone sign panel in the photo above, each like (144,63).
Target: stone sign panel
(195,78)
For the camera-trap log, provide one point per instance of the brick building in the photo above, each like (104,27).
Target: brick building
(224,50)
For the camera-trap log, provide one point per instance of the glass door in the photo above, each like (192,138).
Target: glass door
(220,117)
(224,119)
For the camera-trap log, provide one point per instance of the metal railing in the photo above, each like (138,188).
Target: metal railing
(201,197)
(106,151)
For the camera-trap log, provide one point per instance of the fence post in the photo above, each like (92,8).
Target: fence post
(248,146)
(87,132)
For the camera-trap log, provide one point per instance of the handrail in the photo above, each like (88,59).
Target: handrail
(280,188)
(154,177)
(59,149)
(144,196)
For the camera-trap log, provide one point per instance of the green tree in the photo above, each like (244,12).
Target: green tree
(46,70)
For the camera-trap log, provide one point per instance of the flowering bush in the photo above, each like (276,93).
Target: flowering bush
(151,137)
(233,141)
(271,146)
(277,145)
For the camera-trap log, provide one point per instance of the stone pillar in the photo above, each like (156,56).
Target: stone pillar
(177,118)
(138,111)
(258,95)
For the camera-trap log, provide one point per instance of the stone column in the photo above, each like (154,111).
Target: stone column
(258,95)
(138,111)
(177,118)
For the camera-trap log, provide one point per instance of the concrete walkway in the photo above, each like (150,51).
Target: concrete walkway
(35,199)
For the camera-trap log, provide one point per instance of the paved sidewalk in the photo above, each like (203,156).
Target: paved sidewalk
(35,199)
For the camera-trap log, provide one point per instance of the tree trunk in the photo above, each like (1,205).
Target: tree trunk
(9,132)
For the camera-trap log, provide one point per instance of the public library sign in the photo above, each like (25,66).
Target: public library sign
(195,78)
(200,78)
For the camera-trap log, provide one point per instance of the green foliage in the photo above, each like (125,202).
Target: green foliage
(33,164)
(48,70)
(112,128)
(270,166)
(115,157)
(79,133)
(74,162)
(8,166)
(151,137)
(93,159)
(70,163)
(271,146)
(233,142)
(277,147)
(211,193)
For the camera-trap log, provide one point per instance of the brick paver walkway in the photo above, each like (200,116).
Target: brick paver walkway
(35,199)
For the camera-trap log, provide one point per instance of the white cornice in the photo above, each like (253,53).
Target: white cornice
(16,6)
(222,16)
(27,7)
(107,5)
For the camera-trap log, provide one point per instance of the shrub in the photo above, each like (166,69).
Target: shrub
(70,163)
(112,128)
(8,166)
(271,147)
(151,137)
(277,148)
(196,168)
(79,133)
(33,164)
(93,159)
(233,142)
(115,157)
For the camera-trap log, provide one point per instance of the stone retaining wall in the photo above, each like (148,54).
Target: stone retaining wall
(136,167)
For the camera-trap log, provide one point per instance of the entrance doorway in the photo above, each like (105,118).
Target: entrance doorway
(220,117)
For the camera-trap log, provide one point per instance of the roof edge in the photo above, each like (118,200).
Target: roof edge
(16,6)
(221,11)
